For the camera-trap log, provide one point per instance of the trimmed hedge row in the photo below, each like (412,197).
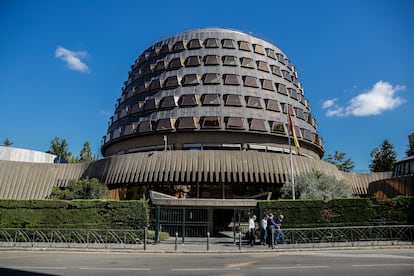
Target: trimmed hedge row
(342,212)
(131,214)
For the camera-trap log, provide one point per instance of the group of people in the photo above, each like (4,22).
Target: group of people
(268,228)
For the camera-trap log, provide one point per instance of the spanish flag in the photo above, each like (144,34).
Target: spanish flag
(292,129)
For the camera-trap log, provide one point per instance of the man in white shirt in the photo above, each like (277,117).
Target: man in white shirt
(252,230)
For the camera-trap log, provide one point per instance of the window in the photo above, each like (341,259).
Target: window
(233,100)
(171,82)
(293,93)
(210,99)
(272,105)
(155,84)
(275,70)
(165,49)
(277,127)
(188,100)
(193,61)
(142,88)
(262,66)
(168,102)
(211,43)
(235,123)
(211,60)
(211,122)
(250,81)
(211,78)
(146,70)
(281,88)
(231,79)
(117,133)
(253,102)
(191,79)
(306,134)
(257,125)
(258,49)
(270,53)
(134,108)
(267,84)
(175,63)
(150,104)
(244,45)
(230,60)
(124,112)
(160,66)
(286,75)
(280,58)
(165,124)
(186,123)
(145,126)
(247,62)
(228,43)
(194,44)
(179,46)
(130,129)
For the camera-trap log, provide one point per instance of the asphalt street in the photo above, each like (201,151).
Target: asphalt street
(324,262)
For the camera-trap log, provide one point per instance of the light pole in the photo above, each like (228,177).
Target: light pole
(165,142)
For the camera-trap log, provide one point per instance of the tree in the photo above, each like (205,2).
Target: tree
(59,147)
(339,161)
(7,142)
(86,154)
(80,189)
(383,158)
(317,185)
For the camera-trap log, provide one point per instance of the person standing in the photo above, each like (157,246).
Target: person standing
(279,229)
(263,231)
(271,225)
(252,230)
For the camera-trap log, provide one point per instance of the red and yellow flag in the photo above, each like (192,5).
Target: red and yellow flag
(292,129)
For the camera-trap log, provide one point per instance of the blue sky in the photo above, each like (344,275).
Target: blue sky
(63,63)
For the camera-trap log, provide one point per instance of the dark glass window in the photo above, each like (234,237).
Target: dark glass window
(211,122)
(142,88)
(145,126)
(306,134)
(231,79)
(228,43)
(211,78)
(210,99)
(286,75)
(165,124)
(134,108)
(211,43)
(130,129)
(261,65)
(175,63)
(165,49)
(150,104)
(155,84)
(293,93)
(257,125)
(267,84)
(250,81)
(193,61)
(194,44)
(179,46)
(253,102)
(191,79)
(275,70)
(146,70)
(258,49)
(271,53)
(272,105)
(160,66)
(188,100)
(280,58)
(211,60)
(233,100)
(171,82)
(230,60)
(247,62)
(281,88)
(117,133)
(278,127)
(235,123)
(186,123)
(168,102)
(244,45)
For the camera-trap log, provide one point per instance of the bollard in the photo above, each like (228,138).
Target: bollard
(208,241)
(176,241)
(145,237)
(240,240)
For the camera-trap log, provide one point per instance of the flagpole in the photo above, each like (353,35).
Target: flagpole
(291,157)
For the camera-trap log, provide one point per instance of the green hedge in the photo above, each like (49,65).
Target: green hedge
(342,212)
(131,214)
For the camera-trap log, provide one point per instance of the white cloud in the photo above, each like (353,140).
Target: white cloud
(328,103)
(373,102)
(73,59)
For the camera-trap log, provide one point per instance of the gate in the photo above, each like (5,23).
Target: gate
(186,222)
(241,220)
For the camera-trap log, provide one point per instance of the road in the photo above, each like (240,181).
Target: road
(336,262)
